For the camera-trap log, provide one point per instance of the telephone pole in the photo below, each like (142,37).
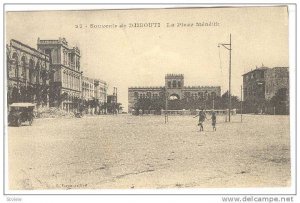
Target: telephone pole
(228,47)
(241,103)
(166,106)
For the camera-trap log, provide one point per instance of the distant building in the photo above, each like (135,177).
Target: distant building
(66,79)
(112,106)
(100,91)
(261,85)
(111,99)
(254,84)
(94,94)
(88,88)
(27,74)
(276,78)
(175,89)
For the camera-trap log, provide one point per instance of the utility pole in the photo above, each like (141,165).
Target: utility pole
(166,107)
(241,103)
(114,101)
(117,111)
(228,47)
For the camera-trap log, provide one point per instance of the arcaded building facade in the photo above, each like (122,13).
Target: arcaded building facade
(174,88)
(27,74)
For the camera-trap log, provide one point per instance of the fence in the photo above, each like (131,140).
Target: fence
(189,112)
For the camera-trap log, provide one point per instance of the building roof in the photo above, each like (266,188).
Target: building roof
(256,69)
(172,75)
(145,87)
(16,43)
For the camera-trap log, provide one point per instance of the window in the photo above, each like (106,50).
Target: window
(148,94)
(187,94)
(31,75)
(169,84)
(213,94)
(174,84)
(179,84)
(48,52)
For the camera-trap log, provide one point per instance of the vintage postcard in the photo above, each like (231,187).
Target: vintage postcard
(154,98)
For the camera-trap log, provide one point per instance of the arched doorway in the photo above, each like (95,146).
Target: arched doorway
(174,102)
(174,97)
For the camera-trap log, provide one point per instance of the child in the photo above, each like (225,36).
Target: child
(202,117)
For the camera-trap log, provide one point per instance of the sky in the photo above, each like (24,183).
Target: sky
(141,56)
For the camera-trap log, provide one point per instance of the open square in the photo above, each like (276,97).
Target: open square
(124,151)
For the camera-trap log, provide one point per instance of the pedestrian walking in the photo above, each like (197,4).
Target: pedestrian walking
(202,117)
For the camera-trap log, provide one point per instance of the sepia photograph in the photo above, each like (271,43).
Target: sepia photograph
(153,98)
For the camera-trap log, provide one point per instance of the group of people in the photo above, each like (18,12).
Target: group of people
(202,117)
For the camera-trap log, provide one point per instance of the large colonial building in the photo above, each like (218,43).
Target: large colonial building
(94,89)
(88,88)
(50,76)
(254,84)
(174,88)
(261,85)
(276,78)
(100,90)
(264,82)
(27,74)
(66,80)
(94,93)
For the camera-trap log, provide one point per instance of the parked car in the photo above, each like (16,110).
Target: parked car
(20,113)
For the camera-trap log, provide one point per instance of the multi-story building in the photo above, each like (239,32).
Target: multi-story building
(94,94)
(254,84)
(100,91)
(66,78)
(112,103)
(88,88)
(174,89)
(27,74)
(261,84)
(276,78)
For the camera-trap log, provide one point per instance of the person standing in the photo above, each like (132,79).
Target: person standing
(202,117)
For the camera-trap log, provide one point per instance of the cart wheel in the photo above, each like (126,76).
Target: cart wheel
(19,122)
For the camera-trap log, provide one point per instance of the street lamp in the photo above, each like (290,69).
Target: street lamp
(228,47)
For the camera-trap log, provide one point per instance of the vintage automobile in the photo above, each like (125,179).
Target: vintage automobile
(20,113)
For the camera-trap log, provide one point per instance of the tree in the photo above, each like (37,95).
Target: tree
(280,101)
(235,102)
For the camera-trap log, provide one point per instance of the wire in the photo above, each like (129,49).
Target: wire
(220,58)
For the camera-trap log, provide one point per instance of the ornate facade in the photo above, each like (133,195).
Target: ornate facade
(66,80)
(28,73)
(174,89)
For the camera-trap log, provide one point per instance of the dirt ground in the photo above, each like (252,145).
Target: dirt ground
(143,152)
